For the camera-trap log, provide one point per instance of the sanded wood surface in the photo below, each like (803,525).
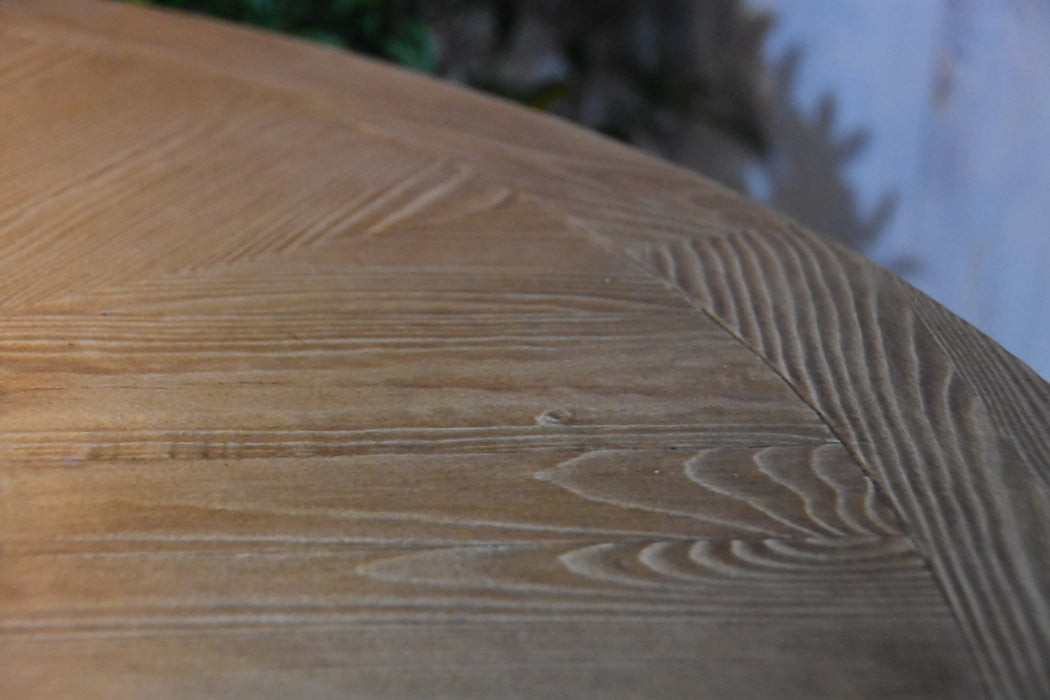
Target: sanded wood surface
(321,379)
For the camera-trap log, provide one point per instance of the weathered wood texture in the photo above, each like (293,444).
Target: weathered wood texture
(322,379)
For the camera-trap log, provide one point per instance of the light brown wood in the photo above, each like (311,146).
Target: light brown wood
(321,379)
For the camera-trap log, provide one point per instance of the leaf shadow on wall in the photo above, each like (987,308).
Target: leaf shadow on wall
(806,169)
(804,158)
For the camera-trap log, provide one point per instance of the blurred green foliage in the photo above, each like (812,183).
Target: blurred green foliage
(390,29)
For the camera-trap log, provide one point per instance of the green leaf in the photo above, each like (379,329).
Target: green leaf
(412,46)
(322,36)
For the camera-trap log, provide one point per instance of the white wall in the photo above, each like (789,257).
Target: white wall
(955,97)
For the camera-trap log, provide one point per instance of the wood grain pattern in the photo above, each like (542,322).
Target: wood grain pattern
(975,498)
(320,379)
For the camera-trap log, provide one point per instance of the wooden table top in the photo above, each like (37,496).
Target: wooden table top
(322,379)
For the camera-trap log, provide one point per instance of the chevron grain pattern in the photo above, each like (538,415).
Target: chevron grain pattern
(322,380)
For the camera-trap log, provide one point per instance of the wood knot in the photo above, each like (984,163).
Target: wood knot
(554,416)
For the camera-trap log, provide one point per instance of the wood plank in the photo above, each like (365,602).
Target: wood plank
(491,657)
(787,492)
